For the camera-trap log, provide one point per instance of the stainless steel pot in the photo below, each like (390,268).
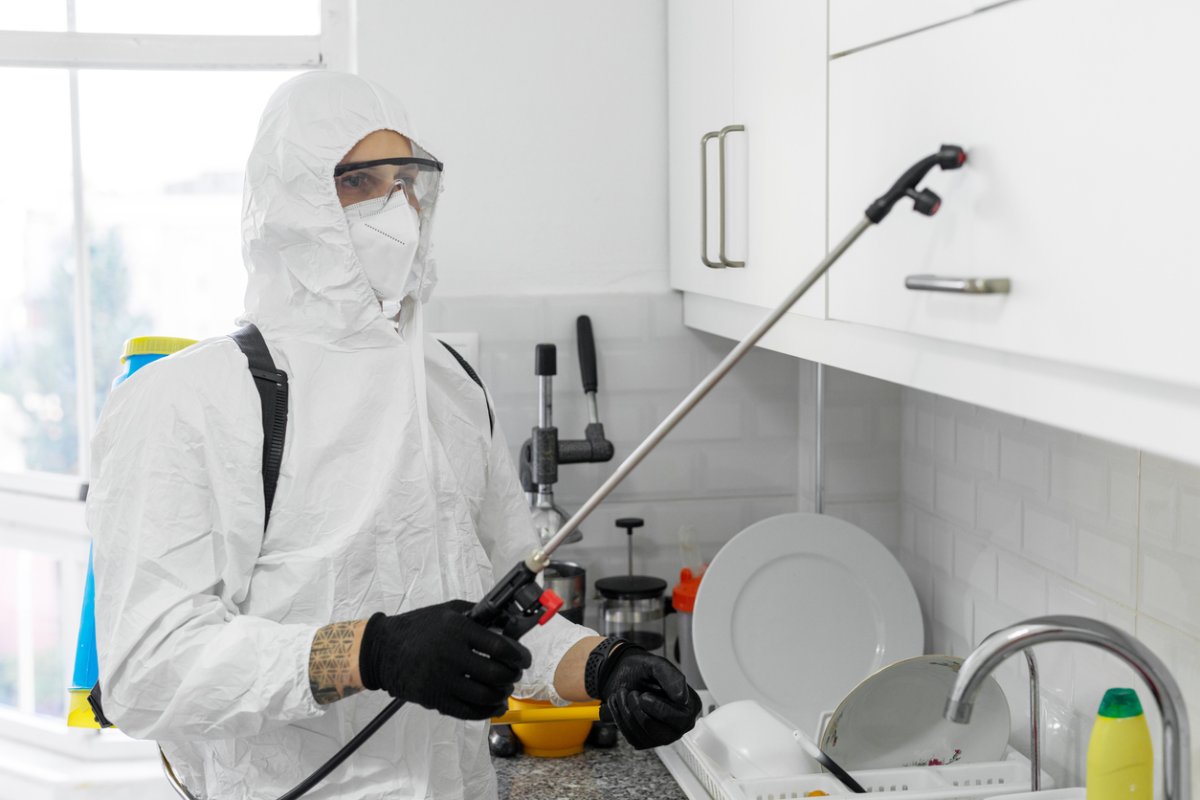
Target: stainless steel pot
(569,581)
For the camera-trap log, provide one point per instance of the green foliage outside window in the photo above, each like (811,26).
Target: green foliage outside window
(42,366)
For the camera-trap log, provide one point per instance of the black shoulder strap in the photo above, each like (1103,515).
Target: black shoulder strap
(272,385)
(462,362)
(272,388)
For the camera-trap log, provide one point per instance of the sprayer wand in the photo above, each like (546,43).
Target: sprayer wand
(924,202)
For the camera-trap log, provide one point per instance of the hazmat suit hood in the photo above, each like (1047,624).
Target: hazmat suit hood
(305,280)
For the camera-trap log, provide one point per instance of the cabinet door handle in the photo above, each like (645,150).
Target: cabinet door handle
(704,202)
(728,129)
(938,283)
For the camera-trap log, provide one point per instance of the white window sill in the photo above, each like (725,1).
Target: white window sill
(27,773)
(42,484)
(53,736)
(42,522)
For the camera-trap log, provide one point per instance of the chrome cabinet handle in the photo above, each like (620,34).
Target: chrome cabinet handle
(704,202)
(720,135)
(938,283)
(728,129)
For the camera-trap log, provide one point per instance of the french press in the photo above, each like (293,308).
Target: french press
(632,606)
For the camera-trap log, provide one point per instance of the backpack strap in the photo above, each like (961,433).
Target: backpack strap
(272,385)
(462,362)
(95,700)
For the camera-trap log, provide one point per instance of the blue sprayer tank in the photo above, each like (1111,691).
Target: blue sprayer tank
(138,352)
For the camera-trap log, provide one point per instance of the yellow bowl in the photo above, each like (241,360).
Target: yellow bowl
(551,739)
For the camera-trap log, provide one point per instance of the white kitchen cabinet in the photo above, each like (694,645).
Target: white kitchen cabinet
(858,23)
(760,64)
(1080,186)
(699,100)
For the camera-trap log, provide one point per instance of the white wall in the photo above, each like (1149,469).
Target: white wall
(551,120)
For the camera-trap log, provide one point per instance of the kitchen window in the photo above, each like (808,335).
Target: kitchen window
(128,127)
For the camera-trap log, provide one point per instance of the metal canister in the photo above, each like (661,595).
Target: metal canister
(569,581)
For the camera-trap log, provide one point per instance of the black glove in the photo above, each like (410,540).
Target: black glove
(646,695)
(438,658)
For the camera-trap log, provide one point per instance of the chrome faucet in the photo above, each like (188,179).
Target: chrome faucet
(1015,638)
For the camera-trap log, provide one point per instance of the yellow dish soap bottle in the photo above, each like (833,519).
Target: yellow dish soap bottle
(1120,759)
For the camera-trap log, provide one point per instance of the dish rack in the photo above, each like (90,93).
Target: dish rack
(948,782)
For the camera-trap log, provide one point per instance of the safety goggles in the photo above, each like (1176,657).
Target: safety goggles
(386,178)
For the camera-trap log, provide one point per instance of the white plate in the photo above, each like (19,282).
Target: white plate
(795,610)
(894,719)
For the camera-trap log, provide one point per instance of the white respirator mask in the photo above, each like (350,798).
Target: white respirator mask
(385,239)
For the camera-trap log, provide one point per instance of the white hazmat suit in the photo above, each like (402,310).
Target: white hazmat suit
(393,495)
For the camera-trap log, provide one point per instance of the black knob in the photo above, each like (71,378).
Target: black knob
(951,156)
(503,742)
(545,359)
(925,201)
(603,735)
(629,523)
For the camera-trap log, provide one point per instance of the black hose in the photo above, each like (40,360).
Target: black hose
(341,755)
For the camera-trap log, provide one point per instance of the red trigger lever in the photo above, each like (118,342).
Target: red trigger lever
(552,603)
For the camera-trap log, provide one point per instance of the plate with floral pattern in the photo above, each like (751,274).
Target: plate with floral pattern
(894,719)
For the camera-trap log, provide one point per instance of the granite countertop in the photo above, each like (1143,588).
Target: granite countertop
(620,773)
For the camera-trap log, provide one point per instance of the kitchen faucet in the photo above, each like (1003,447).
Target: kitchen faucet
(1057,628)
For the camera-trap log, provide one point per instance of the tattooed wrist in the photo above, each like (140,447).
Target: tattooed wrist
(333,661)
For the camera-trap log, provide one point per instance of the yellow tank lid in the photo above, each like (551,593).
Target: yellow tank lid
(154,345)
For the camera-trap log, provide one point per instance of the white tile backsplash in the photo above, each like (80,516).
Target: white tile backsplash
(1157,506)
(1048,540)
(925,429)
(916,481)
(1107,566)
(999,515)
(994,518)
(1170,590)
(999,519)
(954,496)
(1021,585)
(943,437)
(733,461)
(1188,532)
(1123,494)
(860,476)
(941,549)
(1078,480)
(1025,463)
(975,563)
(881,518)
(977,448)
(849,424)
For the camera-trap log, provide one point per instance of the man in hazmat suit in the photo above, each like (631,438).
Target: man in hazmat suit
(246,652)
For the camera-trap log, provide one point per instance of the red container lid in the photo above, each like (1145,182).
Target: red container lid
(683,597)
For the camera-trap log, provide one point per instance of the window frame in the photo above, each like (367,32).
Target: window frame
(42,512)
